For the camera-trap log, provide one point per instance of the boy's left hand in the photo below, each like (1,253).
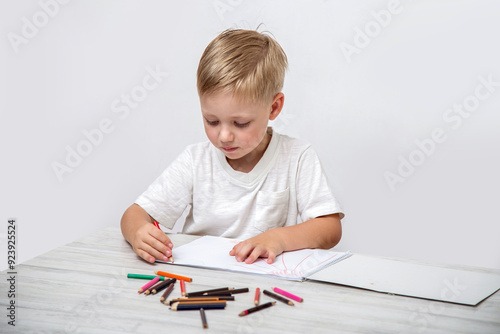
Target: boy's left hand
(266,244)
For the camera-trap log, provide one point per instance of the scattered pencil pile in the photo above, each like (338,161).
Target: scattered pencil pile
(212,299)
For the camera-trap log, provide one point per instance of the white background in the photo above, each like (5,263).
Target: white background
(65,65)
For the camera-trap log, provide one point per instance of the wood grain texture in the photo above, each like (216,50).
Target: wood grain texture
(82,288)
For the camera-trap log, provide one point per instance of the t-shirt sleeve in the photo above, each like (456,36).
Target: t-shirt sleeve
(314,196)
(168,196)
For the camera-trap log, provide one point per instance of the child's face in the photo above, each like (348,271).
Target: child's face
(238,129)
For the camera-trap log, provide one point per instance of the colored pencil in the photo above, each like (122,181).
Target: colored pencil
(190,300)
(156,224)
(227,292)
(235,291)
(288,294)
(257,297)
(197,306)
(179,277)
(150,289)
(183,288)
(203,318)
(256,308)
(150,277)
(216,294)
(167,292)
(201,292)
(196,302)
(278,297)
(147,285)
(201,298)
(162,285)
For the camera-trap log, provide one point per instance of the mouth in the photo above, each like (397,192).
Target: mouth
(229,149)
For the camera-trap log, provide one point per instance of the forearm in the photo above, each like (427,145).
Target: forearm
(322,232)
(133,218)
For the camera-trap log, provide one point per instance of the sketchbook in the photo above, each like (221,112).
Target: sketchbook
(213,253)
(405,278)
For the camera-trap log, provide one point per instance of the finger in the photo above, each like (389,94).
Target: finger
(160,247)
(145,255)
(242,251)
(234,250)
(159,240)
(271,257)
(162,237)
(256,253)
(154,252)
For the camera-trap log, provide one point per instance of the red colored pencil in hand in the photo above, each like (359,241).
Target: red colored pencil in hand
(156,224)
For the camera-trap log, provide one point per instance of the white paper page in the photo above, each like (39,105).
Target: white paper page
(213,252)
(411,279)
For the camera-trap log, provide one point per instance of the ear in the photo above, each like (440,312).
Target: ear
(276,106)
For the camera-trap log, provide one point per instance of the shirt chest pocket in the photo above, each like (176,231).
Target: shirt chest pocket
(271,210)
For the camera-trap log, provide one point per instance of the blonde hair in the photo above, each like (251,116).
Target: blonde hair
(247,63)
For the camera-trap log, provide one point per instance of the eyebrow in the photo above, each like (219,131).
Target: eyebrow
(238,117)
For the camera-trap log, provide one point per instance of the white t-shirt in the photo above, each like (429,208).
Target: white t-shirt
(286,187)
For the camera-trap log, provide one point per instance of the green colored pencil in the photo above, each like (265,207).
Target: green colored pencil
(144,276)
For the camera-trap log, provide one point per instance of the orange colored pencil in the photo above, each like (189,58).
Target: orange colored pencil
(182,278)
(190,300)
(203,302)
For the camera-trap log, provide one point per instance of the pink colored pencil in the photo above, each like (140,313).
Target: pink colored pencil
(288,294)
(149,284)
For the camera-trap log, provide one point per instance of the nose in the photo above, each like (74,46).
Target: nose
(226,135)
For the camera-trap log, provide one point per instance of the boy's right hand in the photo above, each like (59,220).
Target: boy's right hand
(151,243)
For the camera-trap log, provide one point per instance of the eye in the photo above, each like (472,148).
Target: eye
(211,123)
(242,125)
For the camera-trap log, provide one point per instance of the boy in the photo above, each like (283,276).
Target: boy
(247,182)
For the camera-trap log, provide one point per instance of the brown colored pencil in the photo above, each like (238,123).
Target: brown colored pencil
(203,318)
(256,308)
(278,297)
(167,292)
(235,291)
(216,294)
(163,285)
(226,293)
(201,292)
(150,290)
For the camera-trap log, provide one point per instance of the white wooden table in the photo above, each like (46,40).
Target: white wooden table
(82,288)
